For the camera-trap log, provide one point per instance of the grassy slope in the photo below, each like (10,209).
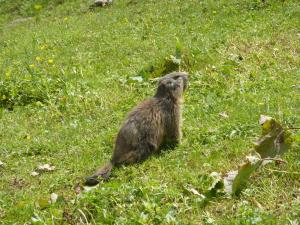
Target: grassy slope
(93,51)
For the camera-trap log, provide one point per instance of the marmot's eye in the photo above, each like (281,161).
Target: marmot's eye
(176,77)
(169,84)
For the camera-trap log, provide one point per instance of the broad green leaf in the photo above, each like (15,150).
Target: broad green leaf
(275,140)
(297,138)
(234,181)
(43,203)
(217,177)
(216,187)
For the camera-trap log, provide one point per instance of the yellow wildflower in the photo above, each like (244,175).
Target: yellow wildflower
(38,7)
(28,137)
(38,58)
(8,73)
(32,66)
(42,47)
(66,18)
(50,61)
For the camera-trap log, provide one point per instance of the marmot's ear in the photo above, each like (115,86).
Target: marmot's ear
(160,79)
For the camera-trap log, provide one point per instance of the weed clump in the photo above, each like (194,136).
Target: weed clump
(21,92)
(179,61)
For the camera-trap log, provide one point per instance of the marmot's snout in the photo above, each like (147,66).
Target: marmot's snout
(183,78)
(175,76)
(173,84)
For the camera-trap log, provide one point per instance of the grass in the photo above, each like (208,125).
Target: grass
(65,89)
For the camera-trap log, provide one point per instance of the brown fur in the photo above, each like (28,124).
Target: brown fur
(149,125)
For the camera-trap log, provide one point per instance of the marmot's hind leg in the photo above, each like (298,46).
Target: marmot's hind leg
(127,158)
(141,152)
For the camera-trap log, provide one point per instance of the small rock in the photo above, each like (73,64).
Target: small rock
(46,167)
(53,197)
(34,174)
(224,115)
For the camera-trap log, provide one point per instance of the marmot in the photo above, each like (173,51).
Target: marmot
(153,122)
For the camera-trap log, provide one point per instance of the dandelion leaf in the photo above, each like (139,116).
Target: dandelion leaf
(235,181)
(274,141)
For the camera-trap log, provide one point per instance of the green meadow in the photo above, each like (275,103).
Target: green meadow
(70,74)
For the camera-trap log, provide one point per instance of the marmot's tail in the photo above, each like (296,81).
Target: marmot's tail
(103,172)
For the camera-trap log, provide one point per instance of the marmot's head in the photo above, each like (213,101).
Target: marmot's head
(172,85)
